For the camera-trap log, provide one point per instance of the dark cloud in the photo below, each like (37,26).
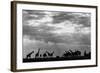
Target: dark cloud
(79,18)
(41,33)
(32,15)
(61,17)
(85,21)
(35,12)
(58,17)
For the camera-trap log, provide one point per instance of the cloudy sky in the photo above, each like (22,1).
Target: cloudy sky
(48,28)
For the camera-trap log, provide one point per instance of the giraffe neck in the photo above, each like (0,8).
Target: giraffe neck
(31,52)
(38,50)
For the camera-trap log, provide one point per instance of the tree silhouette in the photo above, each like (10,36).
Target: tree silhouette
(77,53)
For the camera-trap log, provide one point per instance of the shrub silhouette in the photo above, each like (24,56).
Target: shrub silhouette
(87,54)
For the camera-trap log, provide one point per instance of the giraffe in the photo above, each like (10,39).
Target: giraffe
(72,53)
(50,54)
(37,54)
(29,55)
(65,54)
(45,55)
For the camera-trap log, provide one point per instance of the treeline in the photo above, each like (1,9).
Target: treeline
(66,54)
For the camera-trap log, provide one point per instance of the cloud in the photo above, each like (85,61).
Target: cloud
(57,27)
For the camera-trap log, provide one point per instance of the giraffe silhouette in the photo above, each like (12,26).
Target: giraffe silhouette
(37,54)
(50,54)
(65,54)
(45,55)
(72,53)
(29,55)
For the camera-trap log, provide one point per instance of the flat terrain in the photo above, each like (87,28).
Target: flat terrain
(25,60)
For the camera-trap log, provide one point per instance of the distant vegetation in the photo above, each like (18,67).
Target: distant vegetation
(49,56)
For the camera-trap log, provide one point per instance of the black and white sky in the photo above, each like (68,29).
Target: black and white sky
(42,28)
